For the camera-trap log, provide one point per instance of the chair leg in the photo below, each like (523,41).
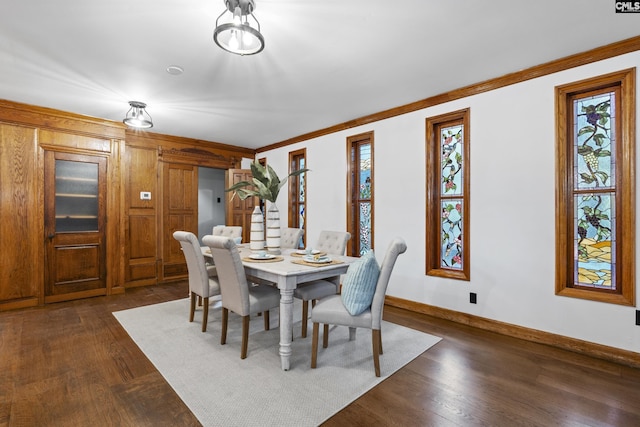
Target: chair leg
(305,315)
(245,336)
(314,345)
(352,334)
(192,309)
(325,336)
(375,339)
(199,301)
(266,320)
(225,320)
(205,314)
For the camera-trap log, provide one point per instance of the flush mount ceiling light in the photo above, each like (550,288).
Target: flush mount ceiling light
(235,33)
(137,117)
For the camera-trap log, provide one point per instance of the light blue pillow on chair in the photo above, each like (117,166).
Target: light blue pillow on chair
(360,284)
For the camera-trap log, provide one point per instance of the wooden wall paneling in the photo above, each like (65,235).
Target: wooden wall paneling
(135,229)
(48,118)
(115,219)
(141,244)
(21,228)
(70,142)
(180,212)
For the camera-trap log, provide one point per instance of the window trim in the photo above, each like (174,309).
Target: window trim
(433,189)
(293,186)
(353,190)
(625,190)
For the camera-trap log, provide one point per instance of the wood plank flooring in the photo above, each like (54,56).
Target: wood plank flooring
(72,364)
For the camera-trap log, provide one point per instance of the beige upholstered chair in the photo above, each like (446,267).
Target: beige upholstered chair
(333,243)
(232,231)
(238,295)
(290,238)
(200,283)
(331,310)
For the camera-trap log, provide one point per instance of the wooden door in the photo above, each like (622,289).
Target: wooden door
(239,211)
(75,194)
(180,212)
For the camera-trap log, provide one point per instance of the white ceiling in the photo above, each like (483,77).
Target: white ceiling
(325,61)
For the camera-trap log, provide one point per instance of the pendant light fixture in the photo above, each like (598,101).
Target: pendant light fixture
(137,117)
(234,33)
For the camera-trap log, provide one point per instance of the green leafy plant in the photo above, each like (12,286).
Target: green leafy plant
(265,183)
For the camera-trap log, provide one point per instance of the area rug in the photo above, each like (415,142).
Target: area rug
(223,390)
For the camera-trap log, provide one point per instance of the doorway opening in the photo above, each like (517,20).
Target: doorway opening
(211,199)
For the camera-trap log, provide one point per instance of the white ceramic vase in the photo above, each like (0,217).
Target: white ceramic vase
(273,229)
(256,236)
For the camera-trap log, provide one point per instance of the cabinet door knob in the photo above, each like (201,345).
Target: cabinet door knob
(51,236)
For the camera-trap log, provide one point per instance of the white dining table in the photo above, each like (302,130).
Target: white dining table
(287,275)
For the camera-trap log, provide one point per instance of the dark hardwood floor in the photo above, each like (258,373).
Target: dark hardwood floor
(71,364)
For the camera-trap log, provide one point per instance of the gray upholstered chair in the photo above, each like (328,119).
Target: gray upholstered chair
(290,238)
(200,283)
(331,310)
(333,243)
(238,295)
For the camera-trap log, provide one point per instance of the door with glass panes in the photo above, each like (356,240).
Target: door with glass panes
(75,191)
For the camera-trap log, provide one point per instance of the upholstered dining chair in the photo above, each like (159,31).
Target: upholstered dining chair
(290,237)
(233,231)
(200,283)
(333,243)
(361,303)
(238,295)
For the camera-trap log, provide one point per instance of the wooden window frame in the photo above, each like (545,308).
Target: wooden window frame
(624,191)
(353,190)
(433,196)
(294,185)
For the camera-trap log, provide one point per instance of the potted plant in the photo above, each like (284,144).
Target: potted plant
(265,185)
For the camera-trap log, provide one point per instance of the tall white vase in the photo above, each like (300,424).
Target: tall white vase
(256,236)
(273,229)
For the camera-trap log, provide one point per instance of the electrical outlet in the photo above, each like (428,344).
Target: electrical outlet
(638,317)
(473,298)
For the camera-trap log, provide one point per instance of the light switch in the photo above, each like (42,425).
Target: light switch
(145,195)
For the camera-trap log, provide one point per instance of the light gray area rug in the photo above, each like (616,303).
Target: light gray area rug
(223,390)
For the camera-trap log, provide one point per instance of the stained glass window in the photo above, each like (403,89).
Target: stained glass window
(447,221)
(360,211)
(595,181)
(594,201)
(365,198)
(451,141)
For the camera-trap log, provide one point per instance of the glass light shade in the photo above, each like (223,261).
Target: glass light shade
(239,39)
(137,116)
(235,34)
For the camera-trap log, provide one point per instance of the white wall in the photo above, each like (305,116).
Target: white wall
(512,208)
